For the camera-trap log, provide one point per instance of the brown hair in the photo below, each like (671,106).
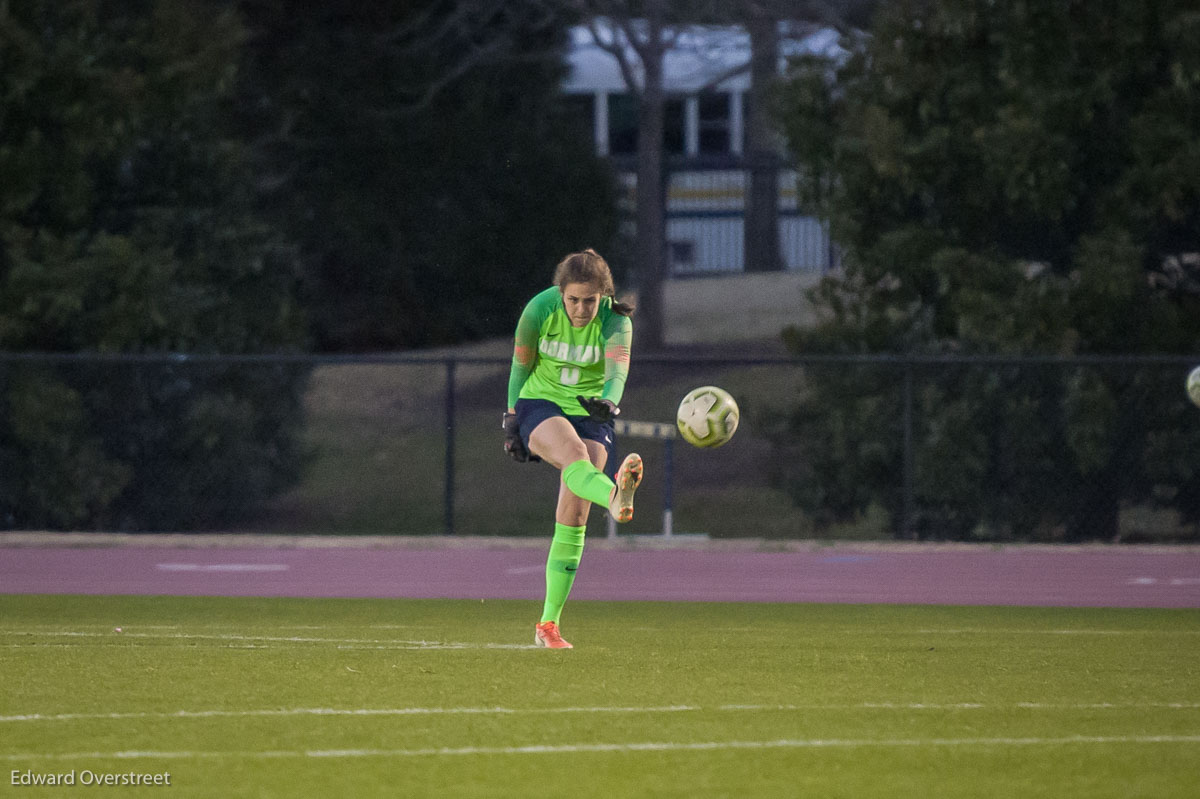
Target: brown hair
(590,268)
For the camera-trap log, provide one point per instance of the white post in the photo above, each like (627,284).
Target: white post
(600,122)
(691,125)
(737,123)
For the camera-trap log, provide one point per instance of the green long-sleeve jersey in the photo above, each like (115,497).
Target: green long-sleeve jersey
(554,360)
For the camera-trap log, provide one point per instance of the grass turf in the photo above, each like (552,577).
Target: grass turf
(269,697)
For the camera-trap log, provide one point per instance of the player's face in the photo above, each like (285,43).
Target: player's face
(581,301)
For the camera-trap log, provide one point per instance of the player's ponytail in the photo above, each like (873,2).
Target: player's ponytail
(623,308)
(589,267)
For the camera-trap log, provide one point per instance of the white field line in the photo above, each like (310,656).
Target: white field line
(101,628)
(210,637)
(998,631)
(235,568)
(413,647)
(293,639)
(507,711)
(234,639)
(648,746)
(756,629)
(526,569)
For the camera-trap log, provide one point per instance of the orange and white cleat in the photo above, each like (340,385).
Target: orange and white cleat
(546,634)
(629,477)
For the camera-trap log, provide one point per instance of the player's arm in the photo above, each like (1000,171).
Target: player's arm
(524,350)
(524,359)
(618,334)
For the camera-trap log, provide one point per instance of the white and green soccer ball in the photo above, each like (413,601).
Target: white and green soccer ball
(707,417)
(1193,386)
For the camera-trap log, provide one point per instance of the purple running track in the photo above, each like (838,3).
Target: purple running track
(1071,576)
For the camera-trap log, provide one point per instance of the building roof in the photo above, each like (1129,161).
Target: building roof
(702,54)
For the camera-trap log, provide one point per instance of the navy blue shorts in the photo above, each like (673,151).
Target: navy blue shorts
(532,412)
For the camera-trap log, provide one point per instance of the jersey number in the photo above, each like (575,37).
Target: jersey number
(570,375)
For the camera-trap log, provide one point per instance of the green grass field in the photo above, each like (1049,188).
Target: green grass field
(366,698)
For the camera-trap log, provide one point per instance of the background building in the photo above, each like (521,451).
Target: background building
(707,81)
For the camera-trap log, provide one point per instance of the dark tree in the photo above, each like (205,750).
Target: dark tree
(127,225)
(422,161)
(1007,179)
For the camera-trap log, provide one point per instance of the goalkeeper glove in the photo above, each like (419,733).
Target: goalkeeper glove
(599,410)
(513,444)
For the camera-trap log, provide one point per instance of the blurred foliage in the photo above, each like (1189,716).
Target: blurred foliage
(128,225)
(1004,179)
(422,161)
(257,176)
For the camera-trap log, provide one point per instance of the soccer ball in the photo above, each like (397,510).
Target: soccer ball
(707,417)
(1193,385)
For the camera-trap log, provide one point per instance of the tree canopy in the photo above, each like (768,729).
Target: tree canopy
(1007,178)
(126,204)
(256,176)
(421,161)
(128,225)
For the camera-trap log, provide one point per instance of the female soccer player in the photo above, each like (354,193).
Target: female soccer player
(570,361)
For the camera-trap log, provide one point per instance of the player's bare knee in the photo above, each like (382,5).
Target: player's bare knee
(576,451)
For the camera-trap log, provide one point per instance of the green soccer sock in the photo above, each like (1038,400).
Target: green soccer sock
(584,480)
(566,549)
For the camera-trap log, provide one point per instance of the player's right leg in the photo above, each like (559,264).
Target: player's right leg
(556,442)
(629,477)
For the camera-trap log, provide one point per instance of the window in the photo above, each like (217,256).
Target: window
(714,123)
(682,252)
(622,124)
(580,111)
(674,125)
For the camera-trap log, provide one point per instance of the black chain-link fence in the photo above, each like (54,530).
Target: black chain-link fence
(999,449)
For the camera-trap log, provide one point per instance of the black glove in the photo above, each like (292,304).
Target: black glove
(513,444)
(600,410)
